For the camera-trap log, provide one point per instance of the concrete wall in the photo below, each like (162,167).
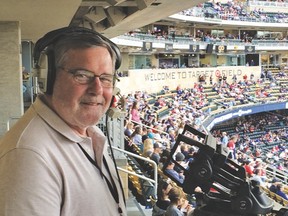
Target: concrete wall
(11,74)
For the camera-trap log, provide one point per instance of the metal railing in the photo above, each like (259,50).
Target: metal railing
(153,181)
(273,172)
(188,40)
(268,4)
(209,12)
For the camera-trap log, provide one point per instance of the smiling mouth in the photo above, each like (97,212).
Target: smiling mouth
(92,103)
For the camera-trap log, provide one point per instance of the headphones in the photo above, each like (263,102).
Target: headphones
(51,38)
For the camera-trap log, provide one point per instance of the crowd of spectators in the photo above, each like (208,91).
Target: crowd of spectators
(185,105)
(210,37)
(244,129)
(155,136)
(233,10)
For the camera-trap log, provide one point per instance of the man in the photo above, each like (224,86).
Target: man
(180,159)
(274,183)
(249,168)
(280,191)
(54,161)
(225,139)
(155,156)
(258,178)
(231,145)
(171,172)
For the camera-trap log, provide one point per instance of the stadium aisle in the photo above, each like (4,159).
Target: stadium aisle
(135,209)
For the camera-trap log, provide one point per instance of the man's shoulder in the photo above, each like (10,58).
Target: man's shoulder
(155,155)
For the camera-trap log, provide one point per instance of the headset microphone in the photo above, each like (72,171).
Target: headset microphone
(117,110)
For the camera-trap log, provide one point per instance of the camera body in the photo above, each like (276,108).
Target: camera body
(226,190)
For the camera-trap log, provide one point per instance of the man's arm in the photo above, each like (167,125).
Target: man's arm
(28,186)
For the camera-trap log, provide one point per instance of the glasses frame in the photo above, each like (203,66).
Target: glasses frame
(90,79)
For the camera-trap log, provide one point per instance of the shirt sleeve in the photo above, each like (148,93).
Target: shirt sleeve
(28,187)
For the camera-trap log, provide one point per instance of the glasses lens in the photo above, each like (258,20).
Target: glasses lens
(86,77)
(83,76)
(107,80)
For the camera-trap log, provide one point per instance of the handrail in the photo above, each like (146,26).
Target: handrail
(155,181)
(272,172)
(188,40)
(267,4)
(155,129)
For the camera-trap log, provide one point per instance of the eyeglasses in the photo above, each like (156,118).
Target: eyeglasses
(83,76)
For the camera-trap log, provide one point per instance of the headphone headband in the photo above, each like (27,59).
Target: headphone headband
(53,36)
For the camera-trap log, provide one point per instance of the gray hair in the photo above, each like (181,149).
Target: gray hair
(76,41)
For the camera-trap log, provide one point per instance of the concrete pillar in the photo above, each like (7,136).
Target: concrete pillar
(11,97)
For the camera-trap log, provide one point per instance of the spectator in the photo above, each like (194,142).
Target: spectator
(135,113)
(248,168)
(155,156)
(280,191)
(129,129)
(144,134)
(157,134)
(231,146)
(178,203)
(274,183)
(180,127)
(224,139)
(245,77)
(179,177)
(136,137)
(184,148)
(180,159)
(150,134)
(148,147)
(163,201)
(171,138)
(258,178)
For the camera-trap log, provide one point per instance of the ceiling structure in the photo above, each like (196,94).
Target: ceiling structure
(109,17)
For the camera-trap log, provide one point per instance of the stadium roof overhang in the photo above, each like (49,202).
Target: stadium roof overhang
(110,17)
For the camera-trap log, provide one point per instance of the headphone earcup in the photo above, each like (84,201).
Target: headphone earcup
(51,75)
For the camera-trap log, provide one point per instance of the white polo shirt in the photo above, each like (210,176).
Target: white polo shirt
(43,171)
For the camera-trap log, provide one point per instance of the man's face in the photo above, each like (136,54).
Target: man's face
(82,105)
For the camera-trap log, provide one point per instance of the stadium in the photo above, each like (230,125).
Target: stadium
(200,104)
(208,68)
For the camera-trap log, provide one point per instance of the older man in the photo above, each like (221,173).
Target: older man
(54,160)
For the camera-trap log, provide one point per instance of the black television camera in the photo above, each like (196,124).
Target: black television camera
(226,190)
